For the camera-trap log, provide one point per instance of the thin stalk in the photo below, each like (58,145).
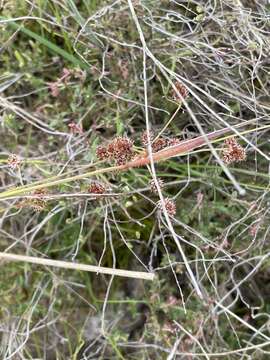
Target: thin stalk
(168,123)
(76,266)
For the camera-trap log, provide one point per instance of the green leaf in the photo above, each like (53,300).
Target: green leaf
(51,46)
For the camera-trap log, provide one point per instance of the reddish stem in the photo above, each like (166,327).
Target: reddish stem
(183,147)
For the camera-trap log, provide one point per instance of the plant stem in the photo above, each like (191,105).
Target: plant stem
(76,266)
(183,147)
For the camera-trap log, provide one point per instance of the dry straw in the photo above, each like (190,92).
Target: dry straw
(76,266)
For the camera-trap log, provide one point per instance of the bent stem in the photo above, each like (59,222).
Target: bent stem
(184,147)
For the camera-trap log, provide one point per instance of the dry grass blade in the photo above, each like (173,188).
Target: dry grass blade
(79,267)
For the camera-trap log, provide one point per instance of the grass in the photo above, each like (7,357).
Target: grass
(112,69)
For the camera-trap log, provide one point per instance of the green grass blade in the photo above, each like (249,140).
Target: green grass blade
(51,46)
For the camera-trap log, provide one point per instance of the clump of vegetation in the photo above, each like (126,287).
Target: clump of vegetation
(135,136)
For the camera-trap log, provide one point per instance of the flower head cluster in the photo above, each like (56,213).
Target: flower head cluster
(180,89)
(38,202)
(160,143)
(97,188)
(153,186)
(173,142)
(233,151)
(102,153)
(169,206)
(119,149)
(13,161)
(144,137)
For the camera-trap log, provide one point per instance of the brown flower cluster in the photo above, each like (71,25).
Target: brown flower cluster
(101,152)
(182,90)
(119,149)
(13,161)
(173,142)
(158,144)
(38,202)
(153,186)
(144,137)
(97,188)
(169,206)
(233,151)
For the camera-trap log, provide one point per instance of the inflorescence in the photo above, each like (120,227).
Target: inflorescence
(153,186)
(169,206)
(119,149)
(37,203)
(97,188)
(180,90)
(160,143)
(233,151)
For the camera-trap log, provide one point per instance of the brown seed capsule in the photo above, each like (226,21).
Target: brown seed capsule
(153,186)
(38,202)
(159,144)
(120,149)
(13,161)
(169,206)
(182,90)
(102,153)
(96,188)
(173,142)
(233,151)
(40,192)
(144,138)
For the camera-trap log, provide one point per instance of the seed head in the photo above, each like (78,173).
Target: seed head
(102,153)
(144,137)
(153,186)
(97,188)
(173,142)
(182,90)
(38,203)
(159,144)
(40,193)
(13,161)
(233,151)
(120,149)
(169,206)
